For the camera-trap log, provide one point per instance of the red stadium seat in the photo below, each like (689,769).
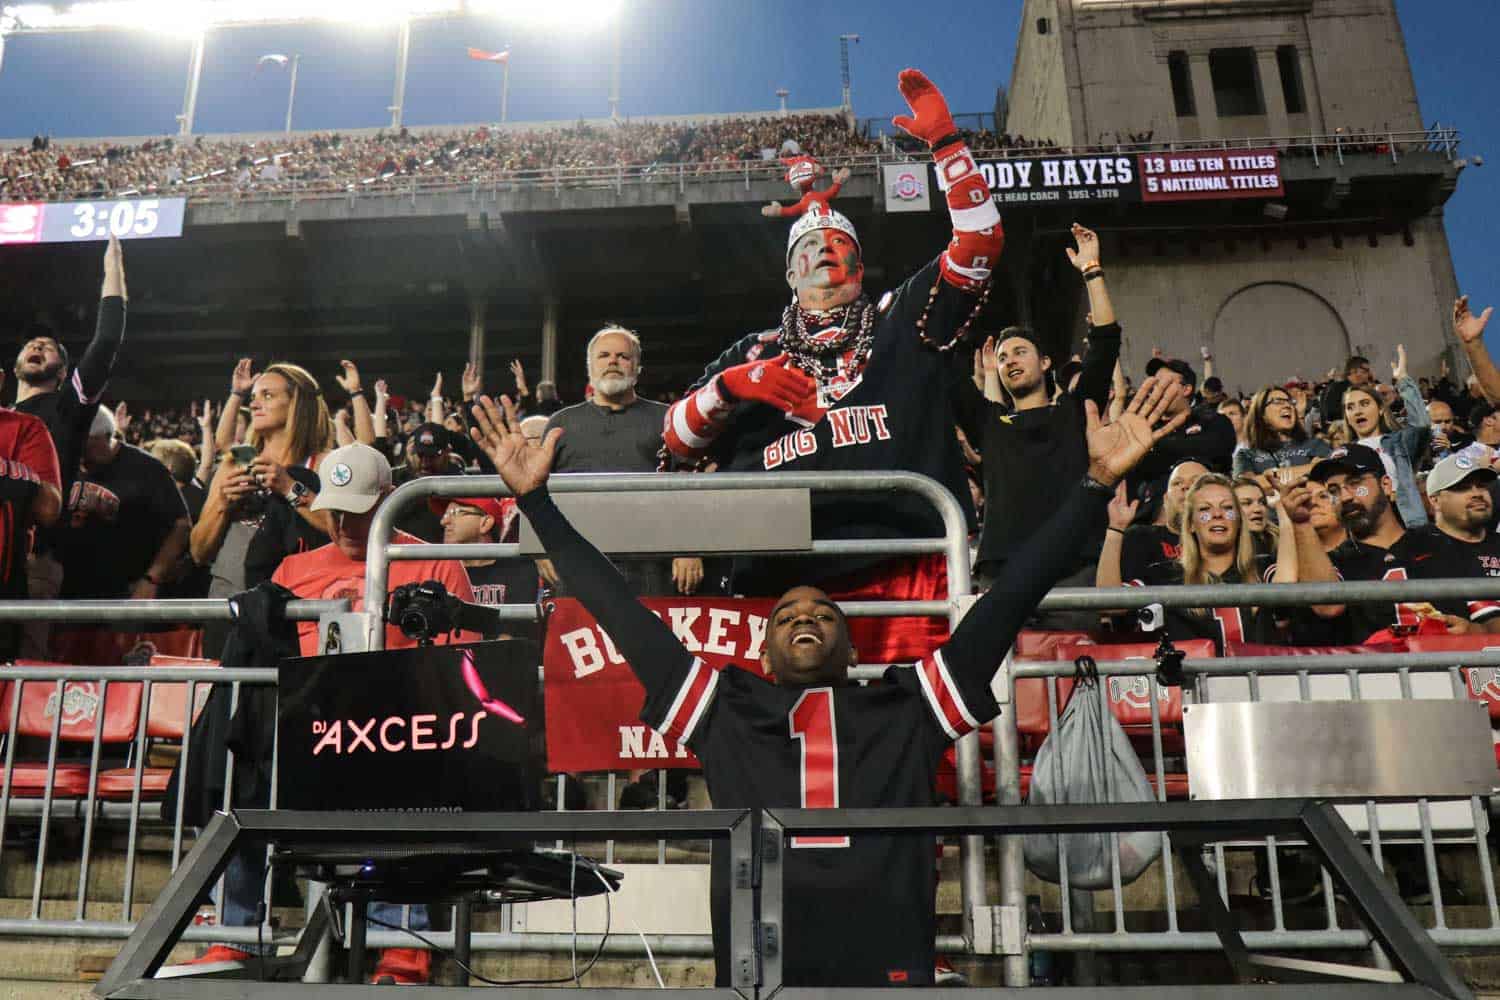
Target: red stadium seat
(80,714)
(164,721)
(1031,692)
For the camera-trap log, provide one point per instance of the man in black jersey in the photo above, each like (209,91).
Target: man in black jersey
(65,397)
(859,911)
(1379,548)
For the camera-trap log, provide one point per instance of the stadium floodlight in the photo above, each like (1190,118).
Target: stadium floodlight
(189,16)
(576,14)
(180,16)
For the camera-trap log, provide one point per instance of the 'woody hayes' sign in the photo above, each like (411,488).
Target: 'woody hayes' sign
(1061,179)
(1202,176)
(593,699)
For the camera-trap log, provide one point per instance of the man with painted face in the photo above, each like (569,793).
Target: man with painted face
(848,384)
(1040,430)
(858,911)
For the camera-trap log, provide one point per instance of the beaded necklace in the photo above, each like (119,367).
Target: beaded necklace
(805,338)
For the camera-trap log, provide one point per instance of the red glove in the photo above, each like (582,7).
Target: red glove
(773,382)
(930,120)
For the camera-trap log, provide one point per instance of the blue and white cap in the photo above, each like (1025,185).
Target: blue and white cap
(817,217)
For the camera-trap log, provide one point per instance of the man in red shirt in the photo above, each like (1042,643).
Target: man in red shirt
(354,481)
(30,495)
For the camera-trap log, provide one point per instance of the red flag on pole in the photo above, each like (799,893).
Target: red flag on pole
(484,56)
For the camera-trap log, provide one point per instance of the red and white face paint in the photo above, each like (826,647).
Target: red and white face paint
(825,269)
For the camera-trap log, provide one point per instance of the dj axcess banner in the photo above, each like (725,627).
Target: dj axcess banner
(593,699)
(435,729)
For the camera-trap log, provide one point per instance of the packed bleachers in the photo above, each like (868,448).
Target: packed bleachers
(53,169)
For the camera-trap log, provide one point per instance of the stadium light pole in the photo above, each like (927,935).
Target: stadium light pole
(403,47)
(783,93)
(291,94)
(614,81)
(190,96)
(844,41)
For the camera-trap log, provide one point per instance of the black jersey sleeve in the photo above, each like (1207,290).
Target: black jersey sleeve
(679,686)
(91,374)
(1099,365)
(955,678)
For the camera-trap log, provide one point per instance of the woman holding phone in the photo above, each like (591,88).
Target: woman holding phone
(256,511)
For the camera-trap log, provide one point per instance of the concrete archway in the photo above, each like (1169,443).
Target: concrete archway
(1271,330)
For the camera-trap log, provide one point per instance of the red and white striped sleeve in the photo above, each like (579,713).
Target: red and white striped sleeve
(689,703)
(978,236)
(944,698)
(694,421)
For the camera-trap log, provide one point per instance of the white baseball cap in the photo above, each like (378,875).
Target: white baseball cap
(352,479)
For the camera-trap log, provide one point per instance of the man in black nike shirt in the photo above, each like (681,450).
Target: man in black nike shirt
(858,910)
(1037,431)
(1460,487)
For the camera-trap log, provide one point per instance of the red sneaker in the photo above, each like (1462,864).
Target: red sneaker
(403,967)
(221,953)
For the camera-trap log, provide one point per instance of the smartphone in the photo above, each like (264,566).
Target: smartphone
(243,454)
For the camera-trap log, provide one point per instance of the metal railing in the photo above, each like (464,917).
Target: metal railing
(90,807)
(1336,146)
(1265,677)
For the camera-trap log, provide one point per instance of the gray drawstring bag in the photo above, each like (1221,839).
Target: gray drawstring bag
(1089,759)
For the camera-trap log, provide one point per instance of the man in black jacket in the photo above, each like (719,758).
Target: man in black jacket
(1033,450)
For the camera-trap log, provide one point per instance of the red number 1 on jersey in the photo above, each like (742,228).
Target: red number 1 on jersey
(811,724)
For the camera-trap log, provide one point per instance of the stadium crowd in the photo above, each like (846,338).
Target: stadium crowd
(48,170)
(1354,475)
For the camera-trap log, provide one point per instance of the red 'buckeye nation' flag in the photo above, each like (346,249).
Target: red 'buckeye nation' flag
(593,699)
(483,55)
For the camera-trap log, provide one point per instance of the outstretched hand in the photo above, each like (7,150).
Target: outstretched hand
(1466,326)
(497,431)
(930,119)
(1117,447)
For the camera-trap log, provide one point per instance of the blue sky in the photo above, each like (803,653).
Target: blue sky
(679,57)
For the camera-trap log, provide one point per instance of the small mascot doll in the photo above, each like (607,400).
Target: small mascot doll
(801,171)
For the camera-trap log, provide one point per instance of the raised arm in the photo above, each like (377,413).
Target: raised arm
(1469,329)
(240,384)
(206,451)
(653,652)
(364,425)
(1121,513)
(92,371)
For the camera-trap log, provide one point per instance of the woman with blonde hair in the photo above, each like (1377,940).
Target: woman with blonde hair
(1255,512)
(1215,548)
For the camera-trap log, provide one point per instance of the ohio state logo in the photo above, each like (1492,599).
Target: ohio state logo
(907,186)
(1136,692)
(80,703)
(1484,683)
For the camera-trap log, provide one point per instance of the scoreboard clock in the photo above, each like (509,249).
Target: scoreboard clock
(90,221)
